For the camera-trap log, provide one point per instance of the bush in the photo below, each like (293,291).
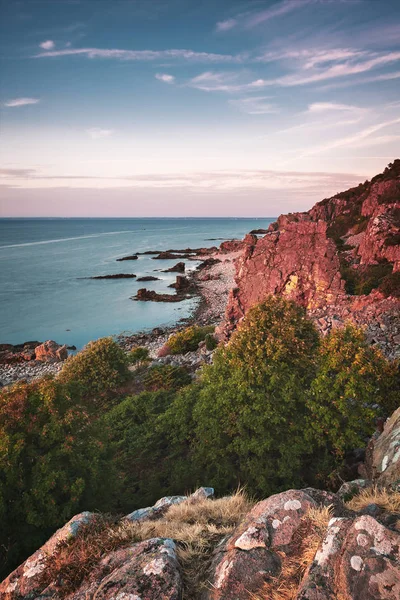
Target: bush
(99,368)
(249,415)
(355,383)
(165,377)
(140,447)
(138,355)
(211,342)
(52,464)
(188,339)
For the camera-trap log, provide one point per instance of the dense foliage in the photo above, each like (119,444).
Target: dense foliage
(188,339)
(100,368)
(279,407)
(52,463)
(138,355)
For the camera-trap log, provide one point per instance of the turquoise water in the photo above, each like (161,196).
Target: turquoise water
(43,261)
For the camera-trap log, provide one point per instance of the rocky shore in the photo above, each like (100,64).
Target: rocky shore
(210,282)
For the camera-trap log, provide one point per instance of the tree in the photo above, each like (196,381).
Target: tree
(354,385)
(250,414)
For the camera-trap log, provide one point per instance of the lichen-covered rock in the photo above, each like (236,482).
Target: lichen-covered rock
(163,504)
(352,488)
(359,560)
(384,453)
(25,581)
(148,570)
(254,553)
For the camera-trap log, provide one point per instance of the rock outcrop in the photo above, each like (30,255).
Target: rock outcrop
(299,544)
(51,352)
(340,260)
(383,454)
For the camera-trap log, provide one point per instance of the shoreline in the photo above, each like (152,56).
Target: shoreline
(210,285)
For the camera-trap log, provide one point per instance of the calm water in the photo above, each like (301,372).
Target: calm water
(42,261)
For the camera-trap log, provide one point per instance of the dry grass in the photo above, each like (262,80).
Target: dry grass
(196,528)
(302,551)
(383,497)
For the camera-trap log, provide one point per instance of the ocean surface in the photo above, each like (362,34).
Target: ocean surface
(44,262)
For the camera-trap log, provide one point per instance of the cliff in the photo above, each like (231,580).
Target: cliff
(340,260)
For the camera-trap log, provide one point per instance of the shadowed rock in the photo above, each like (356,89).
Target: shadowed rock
(115,276)
(131,257)
(148,278)
(178,268)
(145,295)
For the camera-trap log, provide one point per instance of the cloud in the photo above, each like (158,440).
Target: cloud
(47,45)
(143,55)
(255,105)
(165,77)
(372,79)
(217,81)
(321,107)
(360,139)
(21,102)
(97,133)
(226,25)
(199,181)
(277,10)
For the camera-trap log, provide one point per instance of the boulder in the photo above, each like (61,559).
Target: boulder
(145,295)
(383,456)
(181,283)
(254,554)
(26,580)
(147,570)
(178,268)
(50,351)
(358,559)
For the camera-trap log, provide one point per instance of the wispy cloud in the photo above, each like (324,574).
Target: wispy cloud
(47,45)
(97,133)
(165,77)
(218,181)
(142,55)
(21,102)
(255,105)
(226,25)
(322,107)
(363,80)
(359,139)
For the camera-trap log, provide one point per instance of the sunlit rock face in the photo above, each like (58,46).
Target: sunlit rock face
(332,260)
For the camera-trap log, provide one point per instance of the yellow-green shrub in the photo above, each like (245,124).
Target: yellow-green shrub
(188,339)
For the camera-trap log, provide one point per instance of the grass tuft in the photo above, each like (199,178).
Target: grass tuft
(196,527)
(383,497)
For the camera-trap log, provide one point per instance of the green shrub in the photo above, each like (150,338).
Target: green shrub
(211,342)
(141,450)
(188,339)
(355,383)
(364,279)
(165,377)
(138,355)
(251,402)
(52,464)
(99,368)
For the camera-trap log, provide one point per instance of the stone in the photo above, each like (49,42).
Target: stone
(25,581)
(145,295)
(383,456)
(131,257)
(50,351)
(147,570)
(256,550)
(178,268)
(353,488)
(359,559)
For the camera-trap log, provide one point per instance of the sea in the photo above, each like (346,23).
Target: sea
(46,264)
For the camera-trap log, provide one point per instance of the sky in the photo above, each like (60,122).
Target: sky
(193,107)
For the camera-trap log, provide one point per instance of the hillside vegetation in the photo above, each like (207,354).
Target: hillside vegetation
(279,407)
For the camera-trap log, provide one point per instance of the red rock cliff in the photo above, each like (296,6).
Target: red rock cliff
(340,260)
